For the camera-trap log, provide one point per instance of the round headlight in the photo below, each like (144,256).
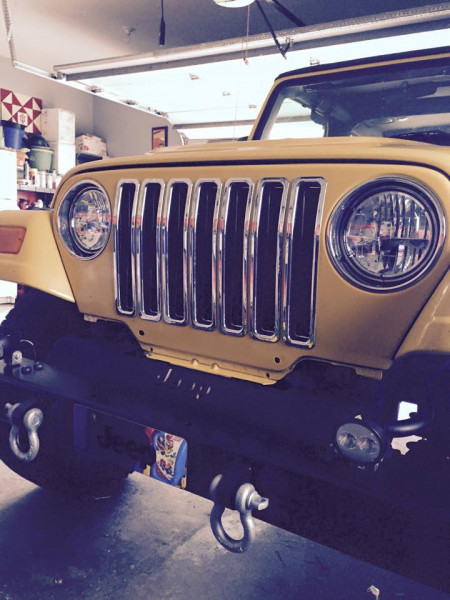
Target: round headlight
(84,219)
(386,234)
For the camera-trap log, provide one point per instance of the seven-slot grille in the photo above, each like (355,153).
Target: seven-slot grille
(239,256)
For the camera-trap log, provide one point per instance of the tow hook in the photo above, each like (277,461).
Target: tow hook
(31,421)
(246,500)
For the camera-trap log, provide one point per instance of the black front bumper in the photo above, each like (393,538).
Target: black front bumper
(277,437)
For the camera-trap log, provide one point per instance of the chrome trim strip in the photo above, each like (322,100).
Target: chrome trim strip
(164,252)
(253,275)
(308,342)
(192,243)
(221,258)
(139,245)
(116,226)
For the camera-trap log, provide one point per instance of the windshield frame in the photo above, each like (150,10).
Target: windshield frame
(357,68)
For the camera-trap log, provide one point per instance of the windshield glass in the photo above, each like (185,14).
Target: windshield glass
(400,101)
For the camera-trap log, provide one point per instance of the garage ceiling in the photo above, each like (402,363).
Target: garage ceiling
(183,79)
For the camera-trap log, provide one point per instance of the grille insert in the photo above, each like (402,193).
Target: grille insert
(205,254)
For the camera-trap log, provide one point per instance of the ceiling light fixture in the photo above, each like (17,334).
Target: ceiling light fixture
(233,3)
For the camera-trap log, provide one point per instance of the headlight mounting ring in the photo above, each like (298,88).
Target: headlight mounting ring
(85,234)
(355,243)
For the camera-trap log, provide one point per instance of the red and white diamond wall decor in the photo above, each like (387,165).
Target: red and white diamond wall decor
(22,109)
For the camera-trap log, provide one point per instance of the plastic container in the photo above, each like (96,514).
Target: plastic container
(41,158)
(13,134)
(33,140)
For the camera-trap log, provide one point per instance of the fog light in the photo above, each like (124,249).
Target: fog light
(346,440)
(360,442)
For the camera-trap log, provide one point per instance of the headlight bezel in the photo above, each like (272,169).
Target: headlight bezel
(341,216)
(65,219)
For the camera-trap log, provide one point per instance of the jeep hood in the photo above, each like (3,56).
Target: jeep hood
(358,149)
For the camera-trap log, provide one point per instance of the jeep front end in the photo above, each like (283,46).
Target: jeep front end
(244,320)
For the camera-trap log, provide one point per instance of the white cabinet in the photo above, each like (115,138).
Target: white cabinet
(8,201)
(8,180)
(63,157)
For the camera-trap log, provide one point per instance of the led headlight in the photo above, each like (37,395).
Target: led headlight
(360,441)
(386,234)
(84,219)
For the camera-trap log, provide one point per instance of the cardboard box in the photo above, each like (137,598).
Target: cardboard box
(90,144)
(58,125)
(64,157)
(20,108)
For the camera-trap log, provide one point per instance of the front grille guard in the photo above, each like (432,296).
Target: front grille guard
(240,256)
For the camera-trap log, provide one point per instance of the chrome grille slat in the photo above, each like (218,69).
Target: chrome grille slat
(206,254)
(266,250)
(124,247)
(301,243)
(233,244)
(202,253)
(148,249)
(174,252)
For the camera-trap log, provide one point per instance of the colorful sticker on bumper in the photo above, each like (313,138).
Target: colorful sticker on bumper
(146,450)
(171,457)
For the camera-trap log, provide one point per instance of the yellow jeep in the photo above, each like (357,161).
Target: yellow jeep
(247,320)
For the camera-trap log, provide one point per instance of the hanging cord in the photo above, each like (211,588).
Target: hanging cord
(236,108)
(162,27)
(287,13)
(247,35)
(245,59)
(271,29)
(9,33)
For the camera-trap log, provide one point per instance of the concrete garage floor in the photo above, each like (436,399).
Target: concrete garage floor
(154,542)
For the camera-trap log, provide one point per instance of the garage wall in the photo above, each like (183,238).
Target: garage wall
(54,94)
(128,131)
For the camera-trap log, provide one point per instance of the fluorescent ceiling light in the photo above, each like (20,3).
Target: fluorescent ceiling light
(376,26)
(201,100)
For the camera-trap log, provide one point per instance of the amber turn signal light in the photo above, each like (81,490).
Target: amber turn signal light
(11,239)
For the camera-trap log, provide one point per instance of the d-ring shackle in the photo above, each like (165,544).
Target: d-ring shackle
(32,420)
(247,499)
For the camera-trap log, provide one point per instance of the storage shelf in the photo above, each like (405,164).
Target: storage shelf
(33,188)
